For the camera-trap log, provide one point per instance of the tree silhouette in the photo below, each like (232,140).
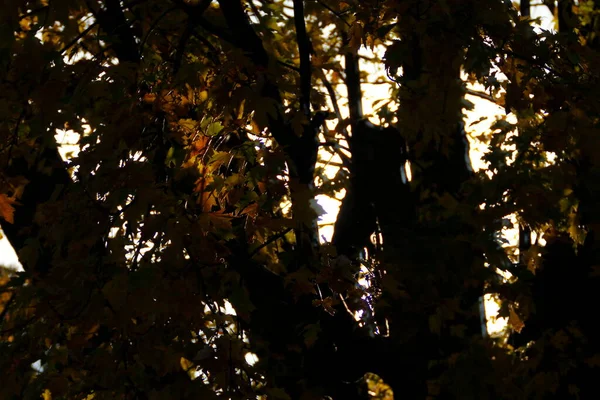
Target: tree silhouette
(177,254)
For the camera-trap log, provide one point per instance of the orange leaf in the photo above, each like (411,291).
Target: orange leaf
(7,211)
(515,320)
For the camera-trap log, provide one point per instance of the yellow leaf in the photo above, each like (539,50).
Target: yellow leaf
(47,395)
(514,320)
(7,211)
(188,125)
(378,389)
(186,364)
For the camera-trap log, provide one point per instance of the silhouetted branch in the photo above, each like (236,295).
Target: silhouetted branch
(305,49)
(481,95)
(337,14)
(78,37)
(269,241)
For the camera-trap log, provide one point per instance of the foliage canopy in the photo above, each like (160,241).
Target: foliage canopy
(176,253)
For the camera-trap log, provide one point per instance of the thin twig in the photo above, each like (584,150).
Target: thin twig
(287,65)
(154,24)
(78,38)
(337,14)
(334,102)
(333,143)
(481,95)
(35,11)
(332,95)
(269,241)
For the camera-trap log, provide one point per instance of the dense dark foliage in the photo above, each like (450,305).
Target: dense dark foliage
(205,131)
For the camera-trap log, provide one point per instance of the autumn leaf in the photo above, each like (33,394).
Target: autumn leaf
(515,320)
(186,364)
(7,210)
(47,395)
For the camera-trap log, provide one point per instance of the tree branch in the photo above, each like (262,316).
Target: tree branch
(337,14)
(305,49)
(353,82)
(269,241)
(481,95)
(78,38)
(334,102)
